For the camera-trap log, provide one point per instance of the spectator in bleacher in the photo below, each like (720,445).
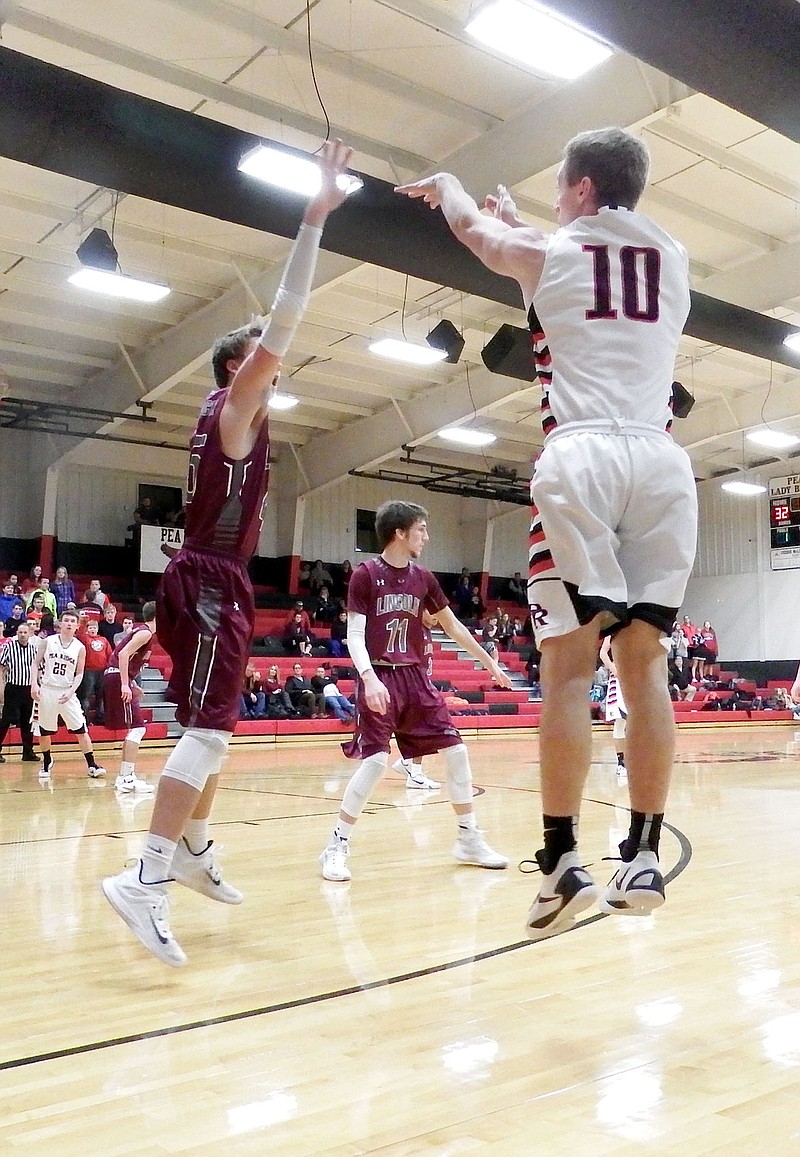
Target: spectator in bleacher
(147,513)
(706,650)
(337,644)
(319,577)
(107,627)
(95,595)
(31,583)
(64,590)
(476,609)
(679,648)
(304,616)
(16,659)
(518,589)
(304,575)
(16,617)
(98,653)
(279,705)
(518,628)
(489,637)
(123,628)
(47,626)
(254,701)
(334,702)
(462,597)
(296,639)
(344,579)
(14,580)
(87,611)
(505,631)
(35,609)
(309,703)
(326,609)
(7,599)
(47,595)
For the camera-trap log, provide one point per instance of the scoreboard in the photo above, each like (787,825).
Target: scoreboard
(784,522)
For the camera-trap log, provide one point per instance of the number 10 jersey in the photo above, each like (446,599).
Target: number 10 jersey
(611,302)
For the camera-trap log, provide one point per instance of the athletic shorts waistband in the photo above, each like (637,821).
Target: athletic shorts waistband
(608,426)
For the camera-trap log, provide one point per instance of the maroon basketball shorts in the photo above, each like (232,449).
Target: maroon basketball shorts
(120,716)
(417,717)
(204,620)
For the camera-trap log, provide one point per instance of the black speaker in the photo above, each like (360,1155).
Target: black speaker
(682,400)
(97,251)
(445,336)
(509,353)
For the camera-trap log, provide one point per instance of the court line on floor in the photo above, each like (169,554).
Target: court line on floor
(323,997)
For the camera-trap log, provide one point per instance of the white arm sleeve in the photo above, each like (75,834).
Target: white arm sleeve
(293,292)
(357,642)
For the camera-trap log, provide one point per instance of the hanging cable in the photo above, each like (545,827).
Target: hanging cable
(314,75)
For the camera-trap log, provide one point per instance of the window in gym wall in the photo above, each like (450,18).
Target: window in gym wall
(366,540)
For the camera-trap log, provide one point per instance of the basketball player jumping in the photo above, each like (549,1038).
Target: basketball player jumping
(205,603)
(386,635)
(614,506)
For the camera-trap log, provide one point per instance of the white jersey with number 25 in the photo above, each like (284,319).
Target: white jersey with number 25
(60,662)
(612,301)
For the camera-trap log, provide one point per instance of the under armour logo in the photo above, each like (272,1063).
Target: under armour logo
(236,606)
(380,582)
(538,615)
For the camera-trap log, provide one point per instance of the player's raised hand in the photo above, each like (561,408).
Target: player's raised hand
(503,207)
(429,189)
(333,160)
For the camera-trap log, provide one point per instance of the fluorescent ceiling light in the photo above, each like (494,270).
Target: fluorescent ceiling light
(745,489)
(407,351)
(793,342)
(118,285)
(548,43)
(466,436)
(288,171)
(283,402)
(777,439)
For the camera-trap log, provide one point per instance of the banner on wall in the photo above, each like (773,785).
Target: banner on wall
(158,545)
(784,522)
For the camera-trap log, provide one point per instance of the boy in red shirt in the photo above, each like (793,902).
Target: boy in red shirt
(98,653)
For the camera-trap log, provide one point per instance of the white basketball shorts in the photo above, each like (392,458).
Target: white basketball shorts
(50,709)
(613,528)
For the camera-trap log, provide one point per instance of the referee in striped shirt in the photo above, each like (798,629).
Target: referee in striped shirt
(16,659)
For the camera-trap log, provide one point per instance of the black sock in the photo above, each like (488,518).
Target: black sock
(559,837)
(47,759)
(89,757)
(643,836)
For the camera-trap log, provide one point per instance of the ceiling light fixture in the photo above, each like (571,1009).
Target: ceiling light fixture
(538,38)
(283,402)
(466,436)
(297,174)
(776,439)
(743,489)
(407,351)
(100,272)
(792,342)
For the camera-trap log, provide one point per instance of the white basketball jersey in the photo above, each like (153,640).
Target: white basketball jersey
(612,301)
(60,662)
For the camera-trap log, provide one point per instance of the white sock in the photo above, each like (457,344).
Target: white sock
(343,831)
(468,821)
(156,859)
(196,835)
(126,770)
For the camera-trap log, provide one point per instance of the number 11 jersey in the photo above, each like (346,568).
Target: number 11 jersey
(393,599)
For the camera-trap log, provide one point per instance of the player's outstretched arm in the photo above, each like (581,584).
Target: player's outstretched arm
(459,634)
(510,249)
(256,378)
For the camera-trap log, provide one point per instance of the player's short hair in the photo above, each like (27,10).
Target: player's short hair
(392,516)
(232,345)
(148,611)
(616,162)
(69,615)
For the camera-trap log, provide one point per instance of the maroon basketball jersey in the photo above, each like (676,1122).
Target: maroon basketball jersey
(224,496)
(393,599)
(139,658)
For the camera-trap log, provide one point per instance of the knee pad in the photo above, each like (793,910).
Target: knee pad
(459,774)
(198,755)
(619,728)
(362,784)
(135,735)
